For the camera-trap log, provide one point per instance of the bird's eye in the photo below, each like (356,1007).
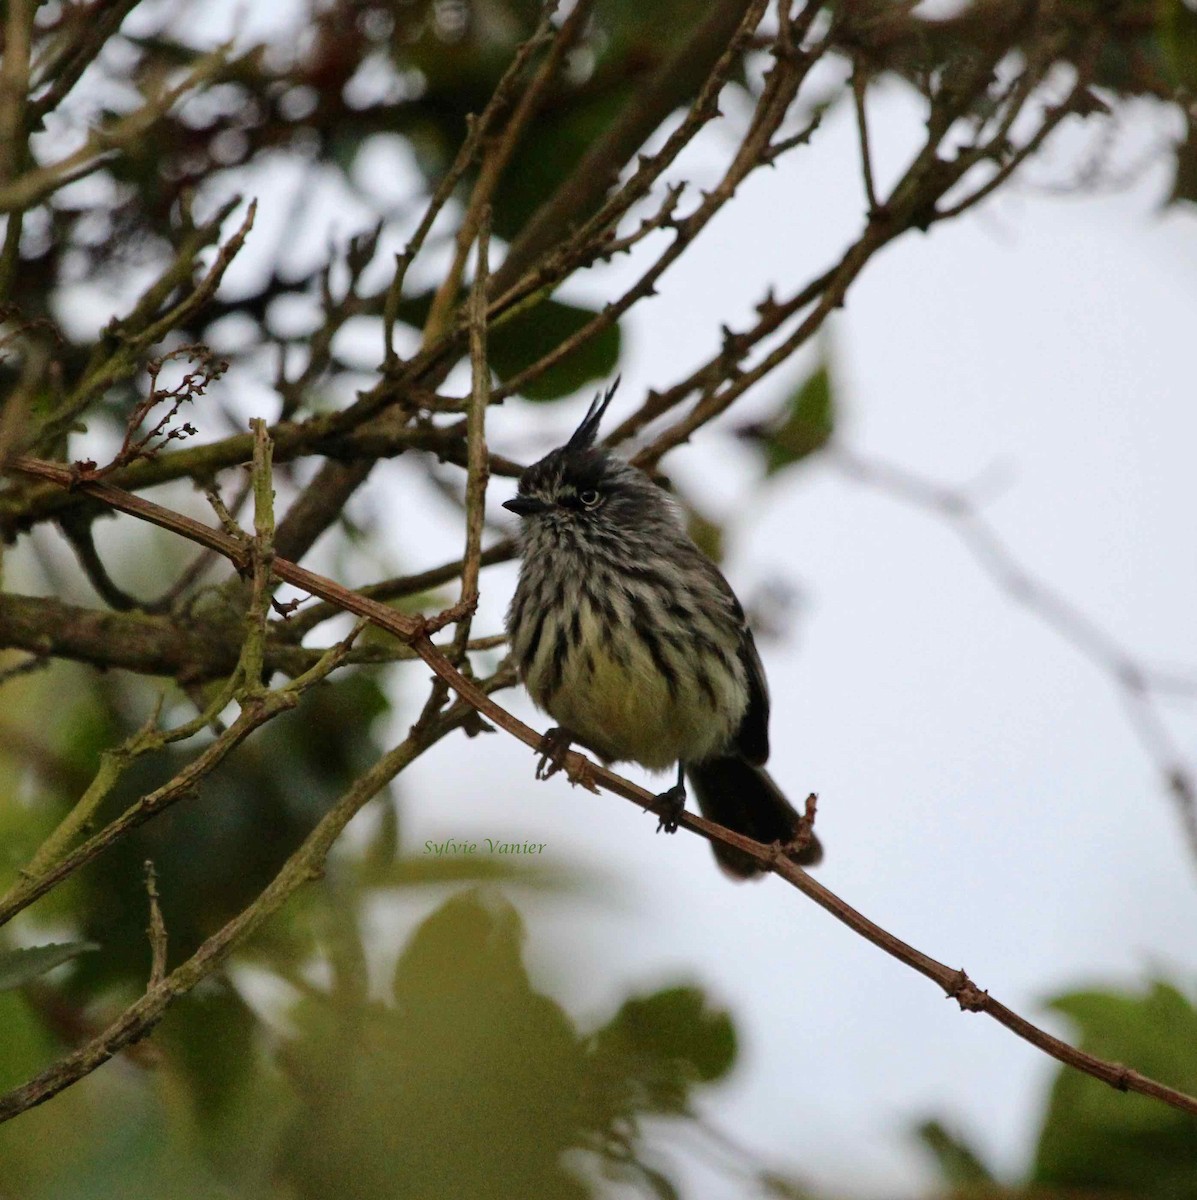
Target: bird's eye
(589,498)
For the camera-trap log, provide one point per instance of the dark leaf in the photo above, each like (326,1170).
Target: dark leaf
(517,343)
(524,339)
(1184,182)
(804,425)
(959,1164)
(667,1042)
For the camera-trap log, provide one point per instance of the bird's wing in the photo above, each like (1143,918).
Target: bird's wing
(752,738)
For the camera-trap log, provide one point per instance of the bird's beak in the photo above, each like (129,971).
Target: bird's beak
(525,506)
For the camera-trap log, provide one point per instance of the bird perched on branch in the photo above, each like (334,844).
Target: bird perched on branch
(631,639)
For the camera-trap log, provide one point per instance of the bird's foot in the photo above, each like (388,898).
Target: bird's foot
(669,807)
(553,748)
(554,751)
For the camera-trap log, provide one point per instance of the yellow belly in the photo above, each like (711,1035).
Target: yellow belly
(625,710)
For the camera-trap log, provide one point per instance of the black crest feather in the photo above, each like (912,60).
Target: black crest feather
(583,437)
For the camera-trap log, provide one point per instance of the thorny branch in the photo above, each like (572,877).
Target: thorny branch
(194,383)
(415,631)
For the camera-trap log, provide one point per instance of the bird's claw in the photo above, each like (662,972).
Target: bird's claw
(669,807)
(553,748)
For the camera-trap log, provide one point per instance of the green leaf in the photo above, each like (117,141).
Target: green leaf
(1178,41)
(1184,181)
(533,333)
(805,424)
(1097,1137)
(675,1038)
(959,1164)
(19,967)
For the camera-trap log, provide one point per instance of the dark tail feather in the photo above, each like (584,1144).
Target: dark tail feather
(745,799)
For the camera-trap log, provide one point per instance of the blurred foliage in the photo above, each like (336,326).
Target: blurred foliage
(532,333)
(802,426)
(1093,1136)
(1096,1141)
(19,967)
(958,1163)
(462,1079)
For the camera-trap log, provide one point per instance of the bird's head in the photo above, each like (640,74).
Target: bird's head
(581,486)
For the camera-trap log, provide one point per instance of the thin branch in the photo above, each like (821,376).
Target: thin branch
(859,88)
(477,129)
(156,930)
(193,385)
(26,666)
(1015,158)
(395,589)
(262,550)
(478,471)
(495,162)
(954,982)
(76,528)
(1133,681)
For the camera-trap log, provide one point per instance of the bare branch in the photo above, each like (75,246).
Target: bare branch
(156,930)
(955,983)
(478,470)
(860,84)
(1134,682)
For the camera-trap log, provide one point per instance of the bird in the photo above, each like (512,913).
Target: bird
(631,639)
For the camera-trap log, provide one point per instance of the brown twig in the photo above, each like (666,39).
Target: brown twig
(404,585)
(156,930)
(955,983)
(477,470)
(859,88)
(149,444)
(26,666)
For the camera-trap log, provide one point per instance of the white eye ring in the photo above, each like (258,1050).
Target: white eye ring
(589,498)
